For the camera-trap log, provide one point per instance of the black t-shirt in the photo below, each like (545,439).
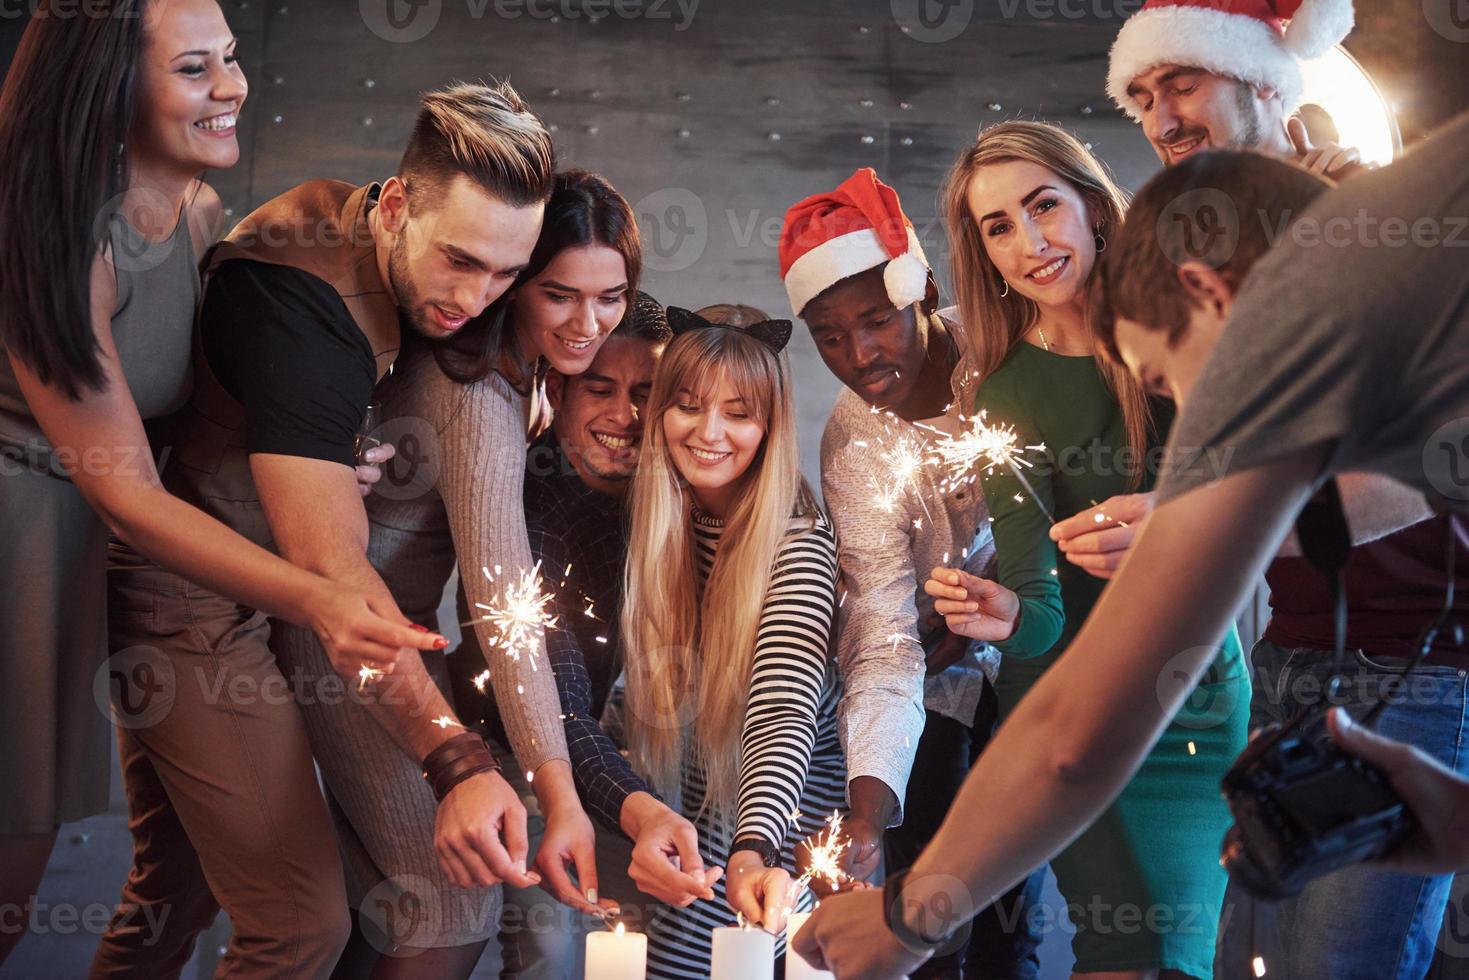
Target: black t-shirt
(283,344)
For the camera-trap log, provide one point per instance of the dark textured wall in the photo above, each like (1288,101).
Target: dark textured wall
(712,116)
(711,124)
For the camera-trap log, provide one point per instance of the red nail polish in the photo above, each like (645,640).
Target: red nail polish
(440,643)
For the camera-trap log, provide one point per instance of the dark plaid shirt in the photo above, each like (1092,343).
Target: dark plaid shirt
(570,525)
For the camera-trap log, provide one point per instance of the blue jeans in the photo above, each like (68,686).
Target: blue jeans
(1004,941)
(1360,923)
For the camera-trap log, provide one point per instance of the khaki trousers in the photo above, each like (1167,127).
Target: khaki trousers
(223,799)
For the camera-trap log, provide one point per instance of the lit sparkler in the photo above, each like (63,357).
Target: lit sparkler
(902,459)
(365,676)
(989,447)
(519,615)
(826,850)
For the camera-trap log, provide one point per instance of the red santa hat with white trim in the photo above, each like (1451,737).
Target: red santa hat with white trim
(859,226)
(1261,42)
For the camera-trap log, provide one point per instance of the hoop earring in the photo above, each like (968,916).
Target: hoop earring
(1005,290)
(1101,243)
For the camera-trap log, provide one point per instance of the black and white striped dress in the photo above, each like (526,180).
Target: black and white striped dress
(792,774)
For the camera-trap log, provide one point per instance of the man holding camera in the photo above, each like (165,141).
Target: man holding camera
(1233,86)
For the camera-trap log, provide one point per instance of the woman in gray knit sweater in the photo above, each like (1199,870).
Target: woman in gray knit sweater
(106,123)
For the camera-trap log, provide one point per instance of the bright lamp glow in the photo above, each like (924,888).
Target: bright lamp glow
(1338,84)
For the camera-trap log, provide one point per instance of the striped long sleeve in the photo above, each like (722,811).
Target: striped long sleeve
(787,682)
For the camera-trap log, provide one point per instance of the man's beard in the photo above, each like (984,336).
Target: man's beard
(410,303)
(611,475)
(1250,133)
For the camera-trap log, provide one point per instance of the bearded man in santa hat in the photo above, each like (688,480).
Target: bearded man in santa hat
(1226,74)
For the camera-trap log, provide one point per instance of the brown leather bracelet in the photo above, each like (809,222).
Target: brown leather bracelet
(445,778)
(453,745)
(448,779)
(456,747)
(460,757)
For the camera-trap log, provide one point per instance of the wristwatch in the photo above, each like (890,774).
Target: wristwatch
(769,855)
(913,941)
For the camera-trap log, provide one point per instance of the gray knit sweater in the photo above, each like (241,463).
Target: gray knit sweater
(455,489)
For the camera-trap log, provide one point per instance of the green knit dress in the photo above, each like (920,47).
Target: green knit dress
(1143,885)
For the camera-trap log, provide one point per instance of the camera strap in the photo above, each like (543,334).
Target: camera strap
(1326,541)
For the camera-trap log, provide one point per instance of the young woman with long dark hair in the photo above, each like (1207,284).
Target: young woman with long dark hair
(107,119)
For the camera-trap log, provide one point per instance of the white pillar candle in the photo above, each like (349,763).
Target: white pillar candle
(797,968)
(743,954)
(618,955)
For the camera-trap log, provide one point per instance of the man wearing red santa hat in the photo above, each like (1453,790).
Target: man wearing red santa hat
(1220,74)
(918,704)
(1227,74)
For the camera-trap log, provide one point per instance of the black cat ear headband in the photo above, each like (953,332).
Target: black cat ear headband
(774,334)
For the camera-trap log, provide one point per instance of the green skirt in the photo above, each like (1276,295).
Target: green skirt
(1143,885)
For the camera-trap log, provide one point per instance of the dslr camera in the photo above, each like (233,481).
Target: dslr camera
(1303,808)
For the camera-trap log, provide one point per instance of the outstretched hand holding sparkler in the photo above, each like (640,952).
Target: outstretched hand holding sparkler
(1097,539)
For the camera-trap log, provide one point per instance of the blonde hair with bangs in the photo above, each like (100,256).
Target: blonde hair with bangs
(689,656)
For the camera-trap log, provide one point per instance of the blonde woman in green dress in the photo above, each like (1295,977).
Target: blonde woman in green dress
(1028,208)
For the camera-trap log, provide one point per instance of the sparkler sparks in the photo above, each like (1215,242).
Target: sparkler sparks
(826,850)
(988,447)
(902,459)
(1102,518)
(519,616)
(365,676)
(900,638)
